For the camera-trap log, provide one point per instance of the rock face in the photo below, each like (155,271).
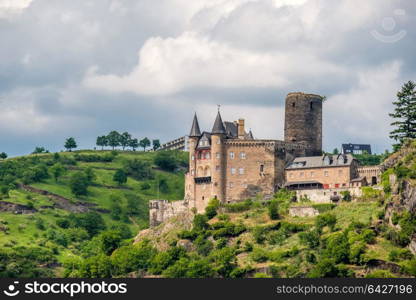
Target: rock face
(303,211)
(162,210)
(163,235)
(16,208)
(408,197)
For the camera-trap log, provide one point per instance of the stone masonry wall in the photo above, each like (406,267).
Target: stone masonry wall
(324,195)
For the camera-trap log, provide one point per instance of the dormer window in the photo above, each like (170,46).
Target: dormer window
(327,161)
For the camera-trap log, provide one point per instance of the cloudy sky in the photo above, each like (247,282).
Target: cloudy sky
(84,67)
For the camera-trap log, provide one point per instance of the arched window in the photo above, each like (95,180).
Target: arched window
(207,171)
(293,104)
(311,105)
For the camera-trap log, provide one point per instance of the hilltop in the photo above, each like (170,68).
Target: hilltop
(43,222)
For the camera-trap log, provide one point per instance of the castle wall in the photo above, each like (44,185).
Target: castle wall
(303,121)
(324,195)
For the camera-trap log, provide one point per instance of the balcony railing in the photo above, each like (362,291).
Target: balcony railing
(200,180)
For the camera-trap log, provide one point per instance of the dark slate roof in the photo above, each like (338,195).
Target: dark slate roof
(218,126)
(250,136)
(325,161)
(195,131)
(231,129)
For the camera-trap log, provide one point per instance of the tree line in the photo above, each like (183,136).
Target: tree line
(115,139)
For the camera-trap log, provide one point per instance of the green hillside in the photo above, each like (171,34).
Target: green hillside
(42,220)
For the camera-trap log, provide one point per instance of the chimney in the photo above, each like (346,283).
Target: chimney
(241,129)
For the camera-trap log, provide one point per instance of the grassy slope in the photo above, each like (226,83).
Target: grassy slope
(23,230)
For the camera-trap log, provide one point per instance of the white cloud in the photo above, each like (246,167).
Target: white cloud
(171,65)
(9,8)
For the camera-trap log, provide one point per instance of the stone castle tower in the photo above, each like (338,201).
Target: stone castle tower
(303,121)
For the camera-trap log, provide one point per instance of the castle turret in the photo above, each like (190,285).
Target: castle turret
(194,135)
(303,121)
(218,159)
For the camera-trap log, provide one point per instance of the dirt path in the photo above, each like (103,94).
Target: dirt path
(60,202)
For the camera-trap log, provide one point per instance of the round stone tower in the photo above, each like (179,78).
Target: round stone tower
(303,121)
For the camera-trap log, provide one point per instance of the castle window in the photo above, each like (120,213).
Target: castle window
(326,173)
(291,175)
(231,185)
(217,168)
(311,105)
(312,174)
(232,155)
(242,155)
(233,171)
(207,155)
(261,168)
(199,155)
(340,172)
(218,155)
(293,104)
(193,157)
(218,141)
(192,172)
(241,171)
(301,174)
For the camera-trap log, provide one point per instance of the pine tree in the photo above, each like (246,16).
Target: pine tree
(404,115)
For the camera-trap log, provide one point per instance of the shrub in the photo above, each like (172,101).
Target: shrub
(380,274)
(273,210)
(346,196)
(325,220)
(327,268)
(356,251)
(324,207)
(400,254)
(239,206)
(203,245)
(369,236)
(310,239)
(200,222)
(259,255)
(337,247)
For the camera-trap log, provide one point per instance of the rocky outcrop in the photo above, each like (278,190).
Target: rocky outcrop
(163,235)
(162,210)
(16,208)
(408,197)
(60,202)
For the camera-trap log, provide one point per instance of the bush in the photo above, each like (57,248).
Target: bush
(239,206)
(346,196)
(259,255)
(324,207)
(138,169)
(400,254)
(326,220)
(79,184)
(327,268)
(166,160)
(356,251)
(203,245)
(380,274)
(200,222)
(310,239)
(273,210)
(337,247)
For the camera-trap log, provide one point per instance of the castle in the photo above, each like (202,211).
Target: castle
(229,164)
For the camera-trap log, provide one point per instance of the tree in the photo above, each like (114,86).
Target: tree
(90,175)
(120,177)
(57,170)
(79,184)
(3,155)
(39,150)
(102,141)
(125,138)
(133,143)
(113,139)
(70,144)
(166,160)
(144,143)
(404,115)
(336,151)
(273,210)
(156,144)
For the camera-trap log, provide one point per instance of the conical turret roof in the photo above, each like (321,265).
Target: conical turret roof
(218,125)
(195,131)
